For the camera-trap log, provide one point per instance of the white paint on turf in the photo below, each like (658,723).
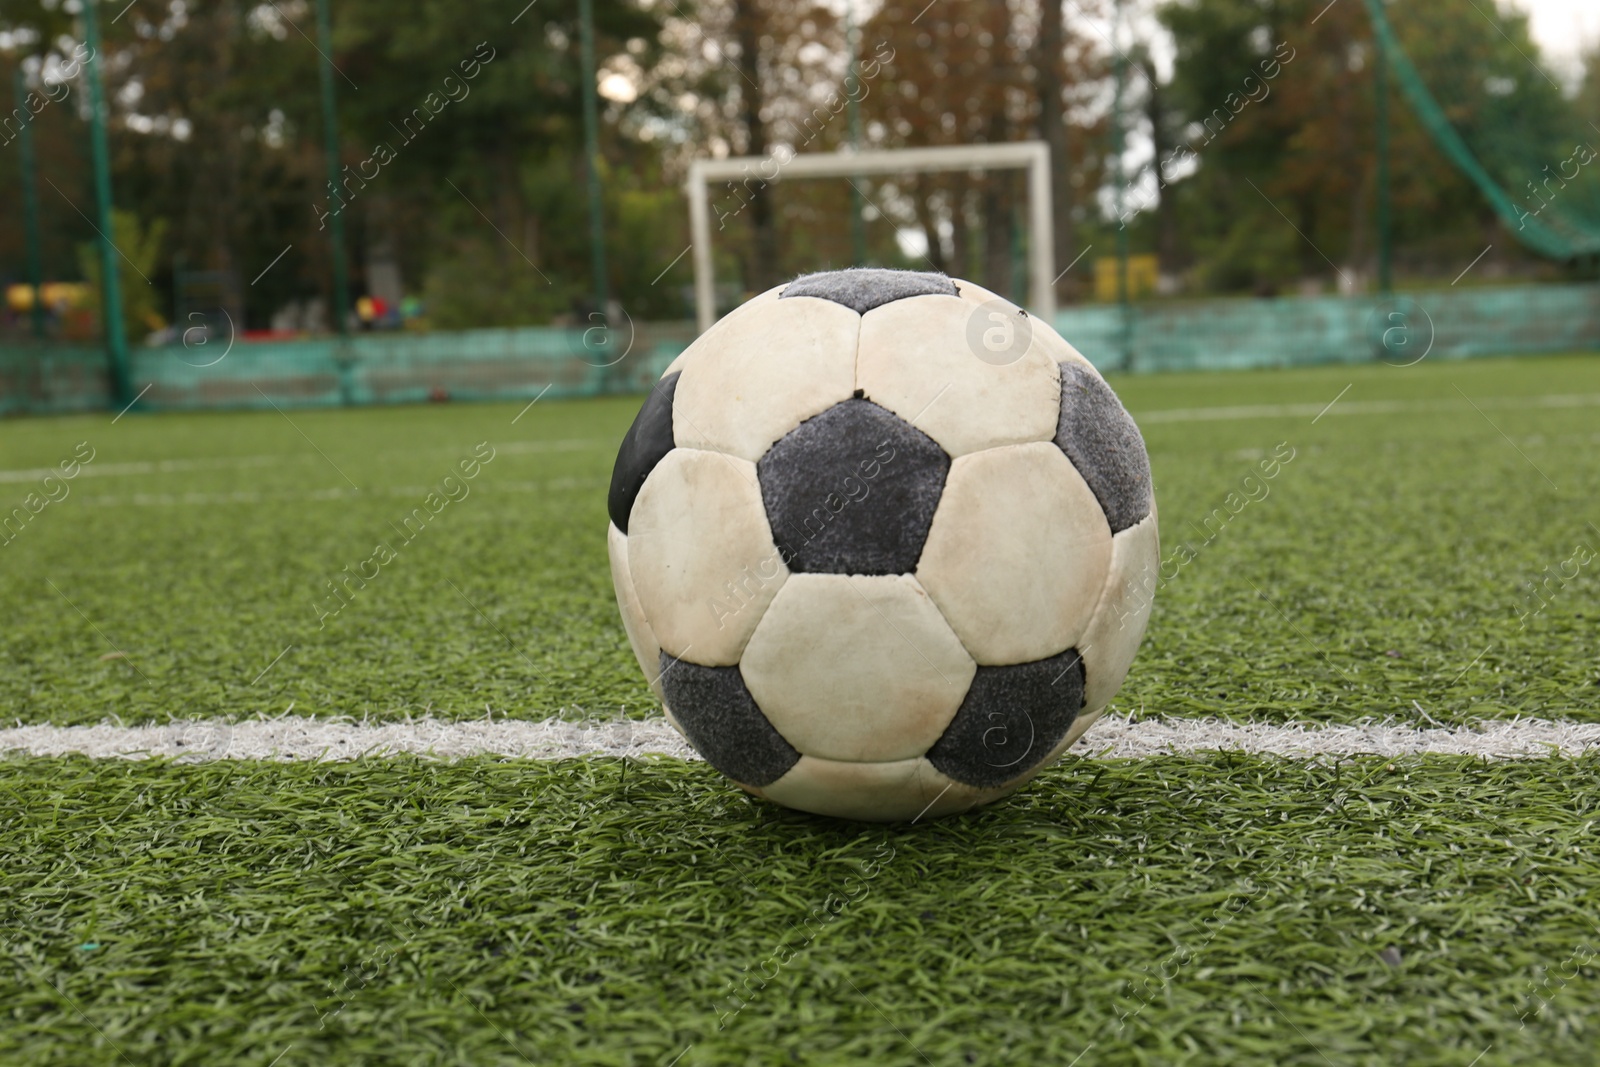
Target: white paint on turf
(1113,737)
(1357,407)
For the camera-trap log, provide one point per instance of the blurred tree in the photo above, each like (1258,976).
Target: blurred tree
(139,247)
(451,126)
(1278,94)
(462,139)
(965,71)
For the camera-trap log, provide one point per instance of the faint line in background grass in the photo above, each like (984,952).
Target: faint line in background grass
(302,433)
(33,505)
(1332,402)
(1502,433)
(120,653)
(450,490)
(512,644)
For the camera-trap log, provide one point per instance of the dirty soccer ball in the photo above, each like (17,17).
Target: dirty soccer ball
(883,544)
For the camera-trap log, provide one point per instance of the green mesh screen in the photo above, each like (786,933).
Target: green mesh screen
(1526,165)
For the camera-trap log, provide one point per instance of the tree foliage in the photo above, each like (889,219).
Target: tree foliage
(462,162)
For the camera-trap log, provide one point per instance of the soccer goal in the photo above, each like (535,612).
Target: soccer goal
(1031,156)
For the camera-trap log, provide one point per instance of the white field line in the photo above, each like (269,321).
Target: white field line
(1114,737)
(1206,414)
(1358,407)
(249,496)
(184,466)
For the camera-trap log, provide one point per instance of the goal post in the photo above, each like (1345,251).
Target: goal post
(1032,156)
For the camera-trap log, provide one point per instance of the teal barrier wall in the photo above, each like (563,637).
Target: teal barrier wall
(1296,331)
(386,368)
(511,364)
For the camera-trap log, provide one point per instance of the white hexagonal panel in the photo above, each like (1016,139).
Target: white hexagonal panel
(701,555)
(1044,337)
(1113,635)
(762,371)
(1118,626)
(856,668)
(927,359)
(760,298)
(1018,553)
(646,649)
(893,791)
(1057,348)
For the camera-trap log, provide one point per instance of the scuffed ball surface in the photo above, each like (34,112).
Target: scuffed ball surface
(884,544)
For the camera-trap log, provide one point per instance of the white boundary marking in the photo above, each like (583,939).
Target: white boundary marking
(228,463)
(1113,737)
(1356,407)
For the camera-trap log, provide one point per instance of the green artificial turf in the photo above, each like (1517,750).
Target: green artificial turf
(1387,565)
(1222,910)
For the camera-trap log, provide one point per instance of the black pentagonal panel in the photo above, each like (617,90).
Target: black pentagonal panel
(863,288)
(1100,438)
(647,441)
(723,723)
(852,491)
(1010,720)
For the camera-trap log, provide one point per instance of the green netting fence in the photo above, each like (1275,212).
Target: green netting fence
(516,364)
(1553,211)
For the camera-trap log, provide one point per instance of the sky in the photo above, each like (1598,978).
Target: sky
(1563,29)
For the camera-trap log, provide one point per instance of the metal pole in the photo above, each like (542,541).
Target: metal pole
(30,204)
(1118,145)
(858,225)
(1385,237)
(705,301)
(330,142)
(1041,227)
(100,157)
(591,147)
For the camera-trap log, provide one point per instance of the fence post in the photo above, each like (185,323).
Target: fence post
(111,275)
(597,225)
(30,204)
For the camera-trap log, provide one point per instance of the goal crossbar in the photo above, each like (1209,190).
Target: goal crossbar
(1032,156)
